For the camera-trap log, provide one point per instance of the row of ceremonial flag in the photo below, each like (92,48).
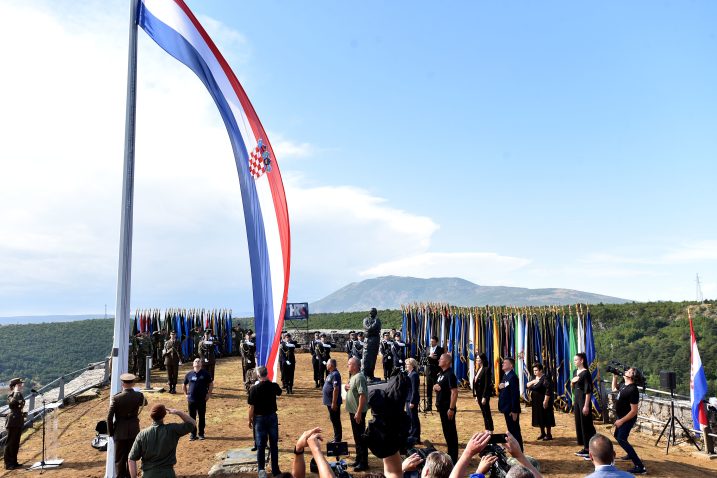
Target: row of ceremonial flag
(186,323)
(550,336)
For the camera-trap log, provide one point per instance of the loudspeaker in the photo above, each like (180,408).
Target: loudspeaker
(668,380)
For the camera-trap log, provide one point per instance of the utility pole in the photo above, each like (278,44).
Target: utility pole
(700,297)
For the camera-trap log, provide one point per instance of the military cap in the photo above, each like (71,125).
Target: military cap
(16,381)
(128,377)
(207,331)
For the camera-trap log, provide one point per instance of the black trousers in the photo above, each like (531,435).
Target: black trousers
(514,428)
(322,372)
(431,379)
(485,410)
(387,370)
(450,434)
(317,371)
(358,431)
(201,409)
(122,449)
(12,446)
(414,433)
(287,378)
(584,428)
(335,417)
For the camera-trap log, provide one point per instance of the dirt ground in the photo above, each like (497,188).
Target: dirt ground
(227,428)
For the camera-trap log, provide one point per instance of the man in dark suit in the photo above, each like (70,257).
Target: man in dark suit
(434,353)
(123,422)
(509,399)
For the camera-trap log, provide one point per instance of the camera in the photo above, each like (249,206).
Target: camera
(618,368)
(500,467)
(338,467)
(337,449)
(423,453)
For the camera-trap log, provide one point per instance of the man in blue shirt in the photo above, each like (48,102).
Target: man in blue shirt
(602,454)
(332,397)
(509,400)
(198,385)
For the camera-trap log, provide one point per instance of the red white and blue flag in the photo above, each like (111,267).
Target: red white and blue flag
(174,27)
(698,384)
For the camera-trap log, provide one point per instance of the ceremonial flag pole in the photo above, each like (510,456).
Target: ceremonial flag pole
(120,343)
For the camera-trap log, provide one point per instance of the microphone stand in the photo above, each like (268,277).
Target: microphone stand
(42,465)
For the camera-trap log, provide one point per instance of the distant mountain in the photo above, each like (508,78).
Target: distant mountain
(392,291)
(39,319)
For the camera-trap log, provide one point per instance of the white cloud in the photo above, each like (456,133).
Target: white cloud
(287,149)
(698,251)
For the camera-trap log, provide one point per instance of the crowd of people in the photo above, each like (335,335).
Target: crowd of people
(155,446)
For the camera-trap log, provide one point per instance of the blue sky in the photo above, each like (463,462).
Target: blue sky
(562,145)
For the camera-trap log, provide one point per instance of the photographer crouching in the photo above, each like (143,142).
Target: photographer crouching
(628,397)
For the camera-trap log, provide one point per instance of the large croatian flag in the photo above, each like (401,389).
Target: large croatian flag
(174,27)
(698,384)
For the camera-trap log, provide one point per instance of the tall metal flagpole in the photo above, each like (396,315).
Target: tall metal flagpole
(120,346)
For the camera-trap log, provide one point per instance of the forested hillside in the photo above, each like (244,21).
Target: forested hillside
(42,352)
(651,336)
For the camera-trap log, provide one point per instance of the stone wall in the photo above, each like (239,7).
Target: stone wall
(654,411)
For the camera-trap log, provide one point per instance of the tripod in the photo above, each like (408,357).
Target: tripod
(42,465)
(670,425)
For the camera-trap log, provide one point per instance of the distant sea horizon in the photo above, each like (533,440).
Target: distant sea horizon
(45,319)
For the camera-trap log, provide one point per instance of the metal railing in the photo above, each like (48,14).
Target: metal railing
(33,412)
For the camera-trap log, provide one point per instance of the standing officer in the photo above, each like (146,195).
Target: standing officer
(171,357)
(206,352)
(358,347)
(387,355)
(350,344)
(13,424)
(287,378)
(434,353)
(398,348)
(315,361)
(248,355)
(323,351)
(123,422)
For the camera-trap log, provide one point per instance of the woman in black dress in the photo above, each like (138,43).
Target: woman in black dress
(483,389)
(541,398)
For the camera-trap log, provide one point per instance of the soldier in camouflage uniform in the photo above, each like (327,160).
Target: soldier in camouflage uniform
(144,349)
(158,339)
(171,360)
(131,355)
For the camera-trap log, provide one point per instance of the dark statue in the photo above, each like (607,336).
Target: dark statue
(372,328)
